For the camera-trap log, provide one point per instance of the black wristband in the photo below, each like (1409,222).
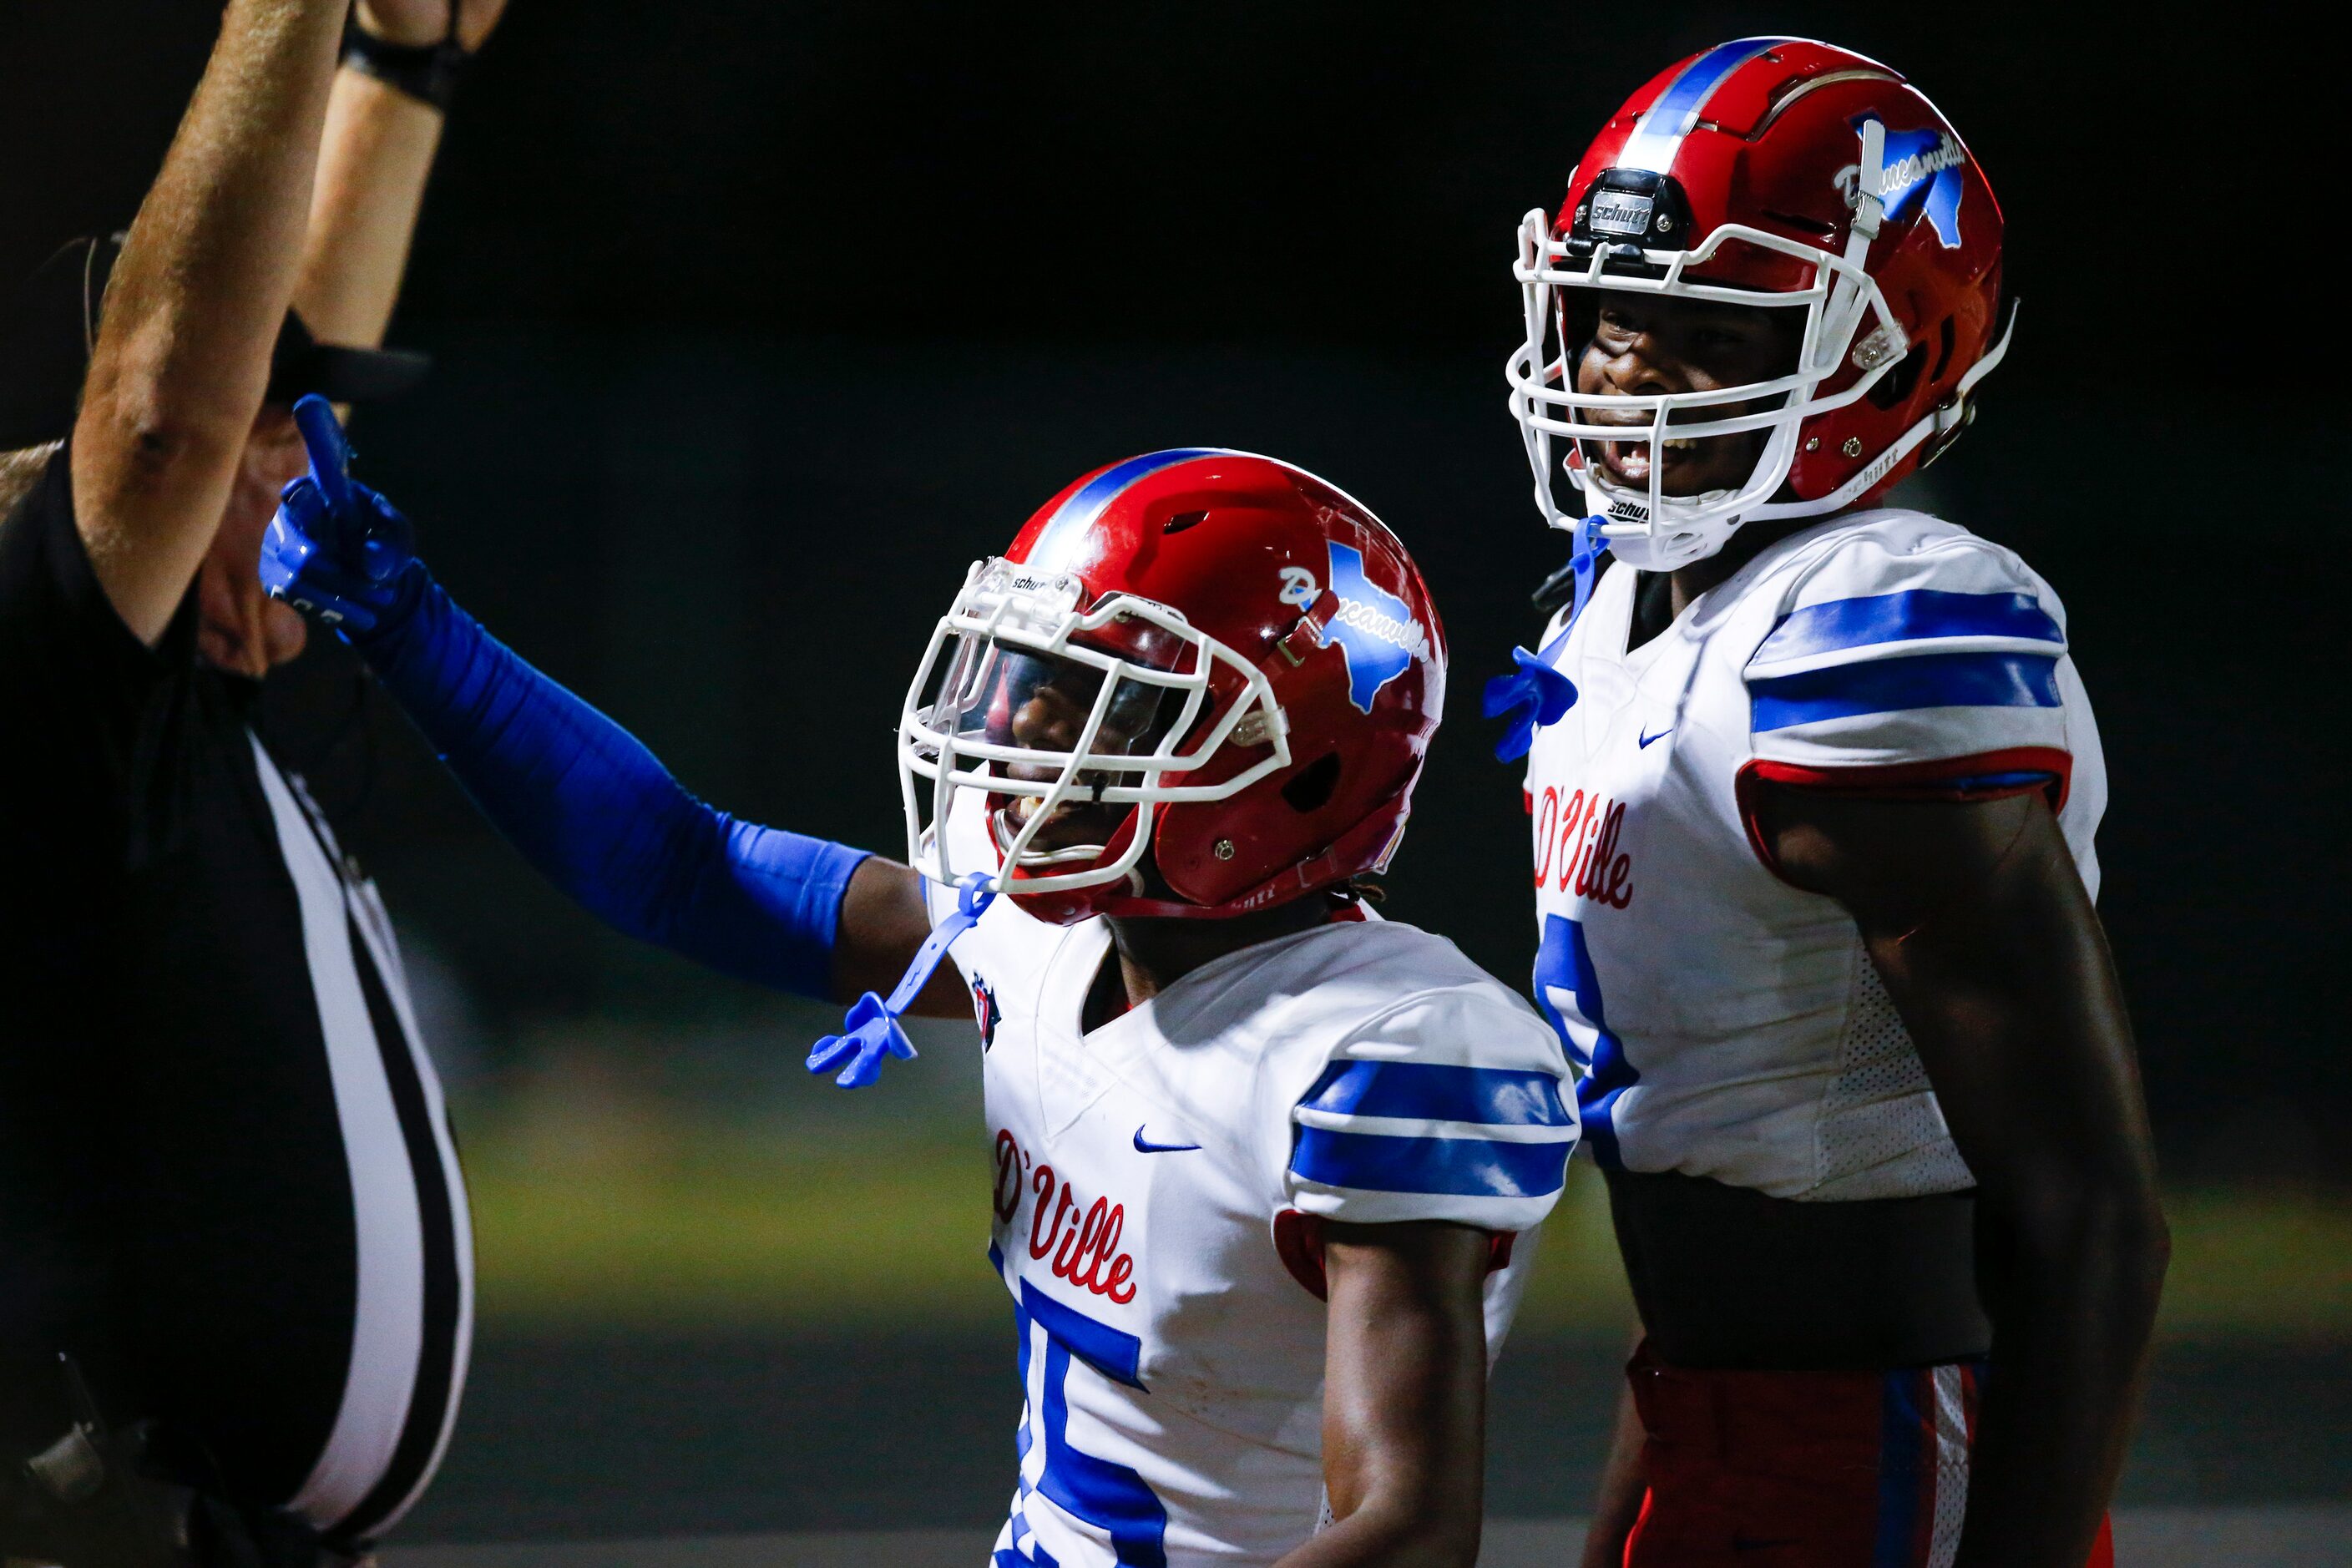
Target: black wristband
(426,72)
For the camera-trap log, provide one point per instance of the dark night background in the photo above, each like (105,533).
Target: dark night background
(757,320)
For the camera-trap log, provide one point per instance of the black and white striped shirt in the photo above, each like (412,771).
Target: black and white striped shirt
(228,1185)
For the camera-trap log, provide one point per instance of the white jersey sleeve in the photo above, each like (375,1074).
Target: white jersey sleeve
(1912,654)
(1446,1106)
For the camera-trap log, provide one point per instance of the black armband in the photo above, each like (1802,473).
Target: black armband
(426,72)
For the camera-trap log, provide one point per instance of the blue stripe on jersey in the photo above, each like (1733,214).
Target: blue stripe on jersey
(1079,512)
(1566,981)
(1898,685)
(1464,1167)
(2017,780)
(1906,618)
(1117,1356)
(1493,1095)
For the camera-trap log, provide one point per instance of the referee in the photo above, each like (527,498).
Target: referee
(235,1270)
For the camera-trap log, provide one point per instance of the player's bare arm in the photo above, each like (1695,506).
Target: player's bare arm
(1404,1402)
(1979,925)
(883,921)
(195,308)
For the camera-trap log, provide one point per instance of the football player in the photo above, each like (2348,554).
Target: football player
(1259,1157)
(1814,784)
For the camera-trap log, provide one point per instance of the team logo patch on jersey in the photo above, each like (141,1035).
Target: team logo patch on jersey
(1375,629)
(1922,170)
(983,1010)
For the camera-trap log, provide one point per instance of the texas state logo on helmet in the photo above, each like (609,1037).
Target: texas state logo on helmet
(1771,172)
(1244,659)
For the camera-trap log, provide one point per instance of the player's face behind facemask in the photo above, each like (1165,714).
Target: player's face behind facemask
(1056,714)
(1650,345)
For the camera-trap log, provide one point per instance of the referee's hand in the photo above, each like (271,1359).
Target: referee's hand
(415,21)
(337,551)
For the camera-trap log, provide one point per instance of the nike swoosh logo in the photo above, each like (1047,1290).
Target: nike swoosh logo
(1145,1147)
(1660,735)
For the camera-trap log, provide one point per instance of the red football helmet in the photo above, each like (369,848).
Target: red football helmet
(1766,171)
(1212,657)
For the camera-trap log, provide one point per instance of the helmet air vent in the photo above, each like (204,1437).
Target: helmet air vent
(1944,355)
(1311,788)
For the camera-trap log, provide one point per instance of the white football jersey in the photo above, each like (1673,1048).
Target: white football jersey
(1726,1023)
(1151,1177)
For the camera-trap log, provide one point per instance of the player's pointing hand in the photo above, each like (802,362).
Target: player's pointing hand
(337,551)
(329,453)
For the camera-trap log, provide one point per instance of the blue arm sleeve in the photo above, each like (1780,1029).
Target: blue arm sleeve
(599,817)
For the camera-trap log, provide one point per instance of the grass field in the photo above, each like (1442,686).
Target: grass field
(657,1222)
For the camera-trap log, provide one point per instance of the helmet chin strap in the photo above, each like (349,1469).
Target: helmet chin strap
(1111,849)
(1034,859)
(1642,545)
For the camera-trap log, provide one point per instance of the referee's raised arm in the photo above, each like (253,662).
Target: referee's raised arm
(235,1256)
(194,306)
